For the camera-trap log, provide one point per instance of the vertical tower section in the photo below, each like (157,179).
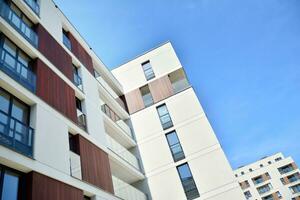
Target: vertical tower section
(182,157)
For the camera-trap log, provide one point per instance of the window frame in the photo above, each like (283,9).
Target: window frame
(152,74)
(150,94)
(168,124)
(174,145)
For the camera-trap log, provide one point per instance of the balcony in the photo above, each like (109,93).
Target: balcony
(286,169)
(81,120)
(17,70)
(126,191)
(117,120)
(16,135)
(179,81)
(35,7)
(123,153)
(75,165)
(11,17)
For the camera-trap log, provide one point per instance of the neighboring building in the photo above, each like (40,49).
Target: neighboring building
(65,128)
(271,178)
(182,157)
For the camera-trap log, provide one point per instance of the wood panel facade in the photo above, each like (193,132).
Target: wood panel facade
(161,89)
(81,54)
(39,187)
(134,101)
(54,52)
(95,166)
(54,91)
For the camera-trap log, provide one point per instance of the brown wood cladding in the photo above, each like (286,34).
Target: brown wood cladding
(161,88)
(40,187)
(54,91)
(134,101)
(95,166)
(54,52)
(81,53)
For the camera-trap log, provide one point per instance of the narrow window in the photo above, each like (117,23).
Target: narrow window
(66,39)
(77,78)
(78,104)
(247,194)
(188,182)
(146,95)
(148,71)
(164,116)
(175,146)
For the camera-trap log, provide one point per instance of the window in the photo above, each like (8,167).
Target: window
(178,80)
(278,159)
(164,116)
(175,146)
(77,78)
(295,189)
(16,64)
(34,5)
(86,198)
(187,181)
(265,188)
(261,165)
(285,169)
(78,104)
(148,71)
(269,197)
(247,194)
(242,173)
(10,184)
(146,95)
(258,180)
(250,170)
(15,132)
(294,177)
(278,194)
(66,39)
(269,162)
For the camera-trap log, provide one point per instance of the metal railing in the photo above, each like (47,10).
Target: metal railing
(123,153)
(126,191)
(81,121)
(116,119)
(17,70)
(33,5)
(16,135)
(18,24)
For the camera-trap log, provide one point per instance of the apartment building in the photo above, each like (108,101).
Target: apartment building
(70,130)
(271,178)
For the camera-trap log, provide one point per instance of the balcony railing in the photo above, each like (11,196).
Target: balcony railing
(286,169)
(34,6)
(16,135)
(75,165)
(126,191)
(180,85)
(81,120)
(17,70)
(78,81)
(18,24)
(118,121)
(123,153)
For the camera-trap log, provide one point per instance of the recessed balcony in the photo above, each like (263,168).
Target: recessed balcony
(19,22)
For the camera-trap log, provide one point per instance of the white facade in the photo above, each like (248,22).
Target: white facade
(208,164)
(266,173)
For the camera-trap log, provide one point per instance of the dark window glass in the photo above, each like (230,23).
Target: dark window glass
(148,71)
(20,111)
(10,186)
(175,146)
(4,101)
(78,104)
(66,39)
(146,95)
(188,182)
(164,116)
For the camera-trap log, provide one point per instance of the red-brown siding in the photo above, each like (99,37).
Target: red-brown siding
(54,91)
(41,187)
(95,166)
(54,52)
(81,53)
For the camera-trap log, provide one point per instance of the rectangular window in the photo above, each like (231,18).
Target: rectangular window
(294,177)
(269,197)
(188,182)
(148,71)
(265,188)
(146,95)
(77,78)
(295,189)
(178,80)
(285,169)
(258,180)
(16,64)
(164,116)
(175,146)
(15,132)
(247,194)
(66,39)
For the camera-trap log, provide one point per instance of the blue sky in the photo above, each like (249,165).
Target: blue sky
(242,57)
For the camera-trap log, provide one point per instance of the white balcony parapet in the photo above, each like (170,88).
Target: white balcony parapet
(122,152)
(126,191)
(75,165)
(124,127)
